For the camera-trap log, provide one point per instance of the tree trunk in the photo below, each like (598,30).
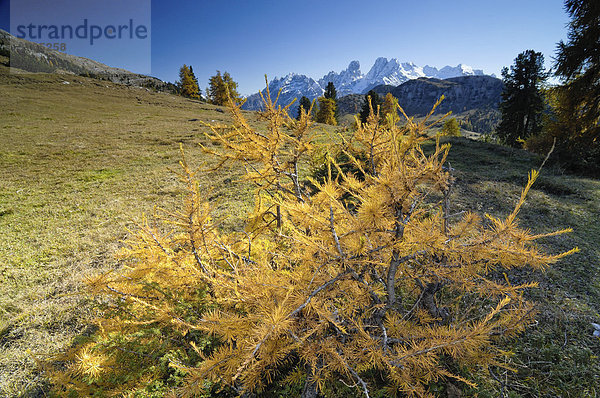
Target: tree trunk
(428,302)
(526,128)
(278,216)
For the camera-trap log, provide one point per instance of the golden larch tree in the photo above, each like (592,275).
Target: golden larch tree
(389,108)
(221,88)
(187,82)
(451,128)
(363,276)
(326,112)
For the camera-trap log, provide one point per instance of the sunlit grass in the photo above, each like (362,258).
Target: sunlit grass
(81,162)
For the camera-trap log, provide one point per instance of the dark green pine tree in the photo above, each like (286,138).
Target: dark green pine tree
(330,92)
(195,80)
(366,110)
(304,104)
(522,99)
(578,65)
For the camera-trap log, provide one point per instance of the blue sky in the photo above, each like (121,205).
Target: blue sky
(252,38)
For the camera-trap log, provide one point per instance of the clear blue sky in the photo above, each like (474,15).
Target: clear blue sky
(254,37)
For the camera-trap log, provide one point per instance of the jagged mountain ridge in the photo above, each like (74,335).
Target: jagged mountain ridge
(345,80)
(353,81)
(292,86)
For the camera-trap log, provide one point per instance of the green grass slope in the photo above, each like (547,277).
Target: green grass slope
(81,161)
(557,356)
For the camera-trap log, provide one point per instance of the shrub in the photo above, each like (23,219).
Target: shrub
(367,280)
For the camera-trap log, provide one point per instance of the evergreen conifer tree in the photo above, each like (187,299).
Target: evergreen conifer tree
(195,82)
(372,101)
(327,111)
(304,104)
(231,87)
(578,65)
(330,92)
(389,108)
(522,100)
(219,86)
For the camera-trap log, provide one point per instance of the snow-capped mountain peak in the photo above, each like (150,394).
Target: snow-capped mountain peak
(390,72)
(459,70)
(344,80)
(292,86)
(352,81)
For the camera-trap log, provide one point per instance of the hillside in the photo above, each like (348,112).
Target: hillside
(34,57)
(81,163)
(471,99)
(460,94)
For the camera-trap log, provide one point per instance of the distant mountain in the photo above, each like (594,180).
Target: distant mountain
(461,94)
(34,57)
(291,86)
(390,72)
(472,99)
(353,81)
(344,81)
(448,72)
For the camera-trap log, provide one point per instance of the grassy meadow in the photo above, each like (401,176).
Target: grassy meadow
(80,163)
(82,160)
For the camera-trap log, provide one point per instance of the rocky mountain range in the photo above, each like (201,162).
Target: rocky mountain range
(460,94)
(291,86)
(353,81)
(472,99)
